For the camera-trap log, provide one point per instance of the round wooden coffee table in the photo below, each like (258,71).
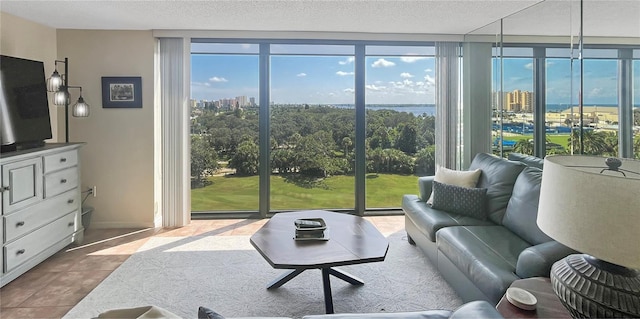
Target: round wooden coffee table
(352,240)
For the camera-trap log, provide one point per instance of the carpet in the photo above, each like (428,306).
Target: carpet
(226,274)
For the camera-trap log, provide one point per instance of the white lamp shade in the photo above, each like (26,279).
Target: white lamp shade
(54,82)
(80,109)
(60,98)
(591,209)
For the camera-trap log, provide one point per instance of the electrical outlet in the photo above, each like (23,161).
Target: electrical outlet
(94,191)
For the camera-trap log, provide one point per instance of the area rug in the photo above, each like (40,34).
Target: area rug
(226,274)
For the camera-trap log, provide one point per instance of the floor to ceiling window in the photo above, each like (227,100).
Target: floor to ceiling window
(311,123)
(224,127)
(312,118)
(400,117)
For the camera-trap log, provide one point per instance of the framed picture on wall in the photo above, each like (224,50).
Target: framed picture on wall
(121,92)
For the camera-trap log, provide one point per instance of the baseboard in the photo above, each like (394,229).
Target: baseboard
(106,225)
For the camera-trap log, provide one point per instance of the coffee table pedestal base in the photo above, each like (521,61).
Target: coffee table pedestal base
(326,283)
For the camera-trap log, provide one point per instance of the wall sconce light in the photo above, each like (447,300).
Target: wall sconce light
(59,83)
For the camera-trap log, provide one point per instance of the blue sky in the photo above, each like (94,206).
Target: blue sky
(389,79)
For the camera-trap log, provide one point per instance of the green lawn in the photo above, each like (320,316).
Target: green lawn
(241,193)
(561,139)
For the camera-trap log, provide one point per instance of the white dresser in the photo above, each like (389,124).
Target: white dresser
(41,206)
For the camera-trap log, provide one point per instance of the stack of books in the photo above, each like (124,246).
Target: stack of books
(310,229)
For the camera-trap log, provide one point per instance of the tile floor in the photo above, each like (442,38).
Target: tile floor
(52,288)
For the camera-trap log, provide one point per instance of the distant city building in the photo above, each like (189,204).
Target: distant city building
(519,101)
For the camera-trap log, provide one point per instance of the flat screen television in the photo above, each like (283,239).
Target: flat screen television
(24,107)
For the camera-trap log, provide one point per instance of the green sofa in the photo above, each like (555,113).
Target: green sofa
(480,258)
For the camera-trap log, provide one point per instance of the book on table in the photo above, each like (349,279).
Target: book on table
(310,229)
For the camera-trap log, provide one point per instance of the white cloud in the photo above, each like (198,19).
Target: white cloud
(349,90)
(301,74)
(429,80)
(411,59)
(200,84)
(373,87)
(406,75)
(428,70)
(343,73)
(217,79)
(529,66)
(382,63)
(347,61)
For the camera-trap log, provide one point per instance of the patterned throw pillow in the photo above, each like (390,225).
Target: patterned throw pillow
(453,177)
(460,200)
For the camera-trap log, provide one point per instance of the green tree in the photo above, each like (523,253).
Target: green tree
(524,146)
(346,144)
(407,139)
(204,159)
(426,161)
(245,160)
(596,143)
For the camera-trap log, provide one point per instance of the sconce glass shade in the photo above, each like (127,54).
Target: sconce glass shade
(60,97)
(54,82)
(81,109)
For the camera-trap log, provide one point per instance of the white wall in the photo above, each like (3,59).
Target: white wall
(119,156)
(25,39)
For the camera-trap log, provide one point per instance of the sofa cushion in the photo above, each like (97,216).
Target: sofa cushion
(498,176)
(458,178)
(487,255)
(460,200)
(429,220)
(522,210)
(529,160)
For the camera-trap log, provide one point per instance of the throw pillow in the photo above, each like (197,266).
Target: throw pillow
(206,313)
(460,200)
(456,178)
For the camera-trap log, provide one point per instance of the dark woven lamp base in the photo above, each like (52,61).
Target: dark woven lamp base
(592,288)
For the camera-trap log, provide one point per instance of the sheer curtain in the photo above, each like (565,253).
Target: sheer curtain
(173,159)
(448,133)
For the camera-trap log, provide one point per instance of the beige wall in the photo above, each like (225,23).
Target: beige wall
(118,157)
(25,39)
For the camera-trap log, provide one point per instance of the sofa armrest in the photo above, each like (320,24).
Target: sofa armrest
(425,185)
(536,261)
(476,309)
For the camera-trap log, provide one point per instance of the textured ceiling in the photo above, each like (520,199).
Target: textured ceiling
(602,17)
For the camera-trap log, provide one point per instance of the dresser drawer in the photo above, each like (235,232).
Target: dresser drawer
(26,220)
(59,161)
(61,181)
(37,241)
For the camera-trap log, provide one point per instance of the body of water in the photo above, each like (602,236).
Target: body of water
(430,109)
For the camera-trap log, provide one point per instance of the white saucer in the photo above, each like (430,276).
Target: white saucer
(521,298)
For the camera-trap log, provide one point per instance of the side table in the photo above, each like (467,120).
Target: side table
(549,306)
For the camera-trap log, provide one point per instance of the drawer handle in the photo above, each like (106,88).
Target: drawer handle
(71,224)
(20,252)
(19,224)
(64,180)
(70,201)
(63,159)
